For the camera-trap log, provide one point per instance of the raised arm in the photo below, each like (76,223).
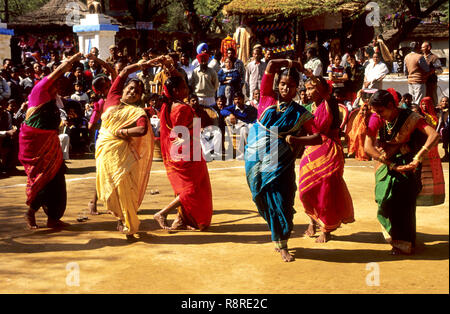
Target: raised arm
(64,67)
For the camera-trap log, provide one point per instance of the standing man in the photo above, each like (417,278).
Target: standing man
(375,72)
(435,68)
(114,55)
(204,81)
(313,62)
(417,71)
(254,72)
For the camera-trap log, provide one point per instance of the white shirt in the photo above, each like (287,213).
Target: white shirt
(374,72)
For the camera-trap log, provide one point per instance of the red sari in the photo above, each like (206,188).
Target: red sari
(189,177)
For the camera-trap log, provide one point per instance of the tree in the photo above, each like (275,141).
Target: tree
(199,28)
(418,10)
(17,7)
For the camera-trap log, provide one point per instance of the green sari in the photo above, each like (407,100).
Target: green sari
(395,192)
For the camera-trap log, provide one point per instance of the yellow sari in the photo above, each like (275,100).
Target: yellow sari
(123,165)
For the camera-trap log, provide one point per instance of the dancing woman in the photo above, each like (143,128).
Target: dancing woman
(323,191)
(124,150)
(404,138)
(40,151)
(189,177)
(433,184)
(270,169)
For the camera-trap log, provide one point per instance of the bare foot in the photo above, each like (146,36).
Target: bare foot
(311,231)
(31,220)
(92,206)
(54,224)
(324,237)
(120,226)
(178,224)
(285,256)
(161,220)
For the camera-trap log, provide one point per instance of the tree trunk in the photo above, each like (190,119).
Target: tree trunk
(402,33)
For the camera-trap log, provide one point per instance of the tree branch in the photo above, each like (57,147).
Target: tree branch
(433,7)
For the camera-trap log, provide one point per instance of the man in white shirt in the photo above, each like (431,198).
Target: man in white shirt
(314,64)
(254,72)
(186,66)
(375,72)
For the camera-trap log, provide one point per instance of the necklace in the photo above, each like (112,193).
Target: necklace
(390,127)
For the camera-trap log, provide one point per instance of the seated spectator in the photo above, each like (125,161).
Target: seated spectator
(353,77)
(406,101)
(5,90)
(77,127)
(240,117)
(79,94)
(304,100)
(8,135)
(254,102)
(336,72)
(211,136)
(442,127)
(230,81)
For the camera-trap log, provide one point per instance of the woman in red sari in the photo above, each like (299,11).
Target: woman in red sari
(323,191)
(40,151)
(183,158)
(432,176)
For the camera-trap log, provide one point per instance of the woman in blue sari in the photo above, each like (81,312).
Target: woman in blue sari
(273,145)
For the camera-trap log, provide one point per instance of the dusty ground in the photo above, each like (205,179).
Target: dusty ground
(234,256)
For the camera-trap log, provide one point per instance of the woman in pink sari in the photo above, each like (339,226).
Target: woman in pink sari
(40,151)
(323,191)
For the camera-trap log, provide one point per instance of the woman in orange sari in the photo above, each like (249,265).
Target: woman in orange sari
(433,185)
(357,134)
(184,161)
(323,191)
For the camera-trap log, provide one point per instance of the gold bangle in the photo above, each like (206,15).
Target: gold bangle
(418,158)
(426,148)
(391,166)
(290,63)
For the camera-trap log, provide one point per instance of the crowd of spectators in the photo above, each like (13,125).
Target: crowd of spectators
(225,85)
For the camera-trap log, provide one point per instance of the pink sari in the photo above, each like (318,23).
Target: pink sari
(323,191)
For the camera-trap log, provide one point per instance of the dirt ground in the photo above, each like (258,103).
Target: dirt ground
(234,256)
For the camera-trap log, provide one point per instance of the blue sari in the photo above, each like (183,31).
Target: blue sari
(270,166)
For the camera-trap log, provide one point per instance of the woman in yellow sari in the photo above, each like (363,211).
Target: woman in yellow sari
(124,150)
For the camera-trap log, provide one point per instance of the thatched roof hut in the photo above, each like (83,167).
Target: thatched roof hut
(53,15)
(290,8)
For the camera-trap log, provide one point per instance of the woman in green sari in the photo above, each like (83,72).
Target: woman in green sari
(398,139)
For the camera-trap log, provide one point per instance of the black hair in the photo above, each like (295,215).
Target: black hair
(332,102)
(407,95)
(381,98)
(291,73)
(137,81)
(173,82)
(222,97)
(239,94)
(192,96)
(312,51)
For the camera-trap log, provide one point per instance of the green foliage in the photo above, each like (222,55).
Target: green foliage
(20,7)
